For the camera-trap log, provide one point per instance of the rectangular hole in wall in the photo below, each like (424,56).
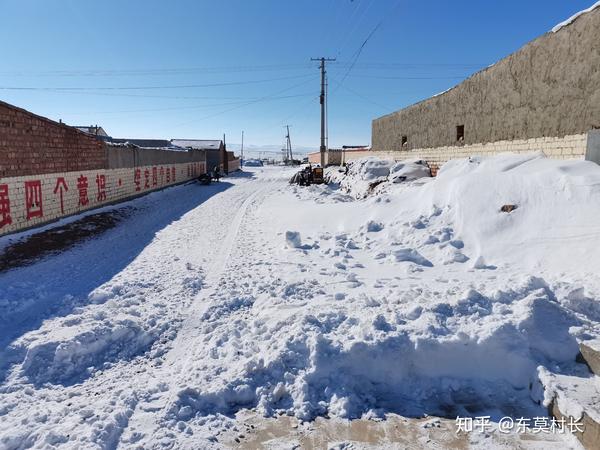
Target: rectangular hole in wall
(404,140)
(460,133)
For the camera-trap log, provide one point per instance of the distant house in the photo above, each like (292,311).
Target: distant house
(93,130)
(339,156)
(198,144)
(144,143)
(215,151)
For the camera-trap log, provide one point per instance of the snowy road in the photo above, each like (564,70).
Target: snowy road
(255,297)
(115,352)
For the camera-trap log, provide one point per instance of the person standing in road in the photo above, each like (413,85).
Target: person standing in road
(216,173)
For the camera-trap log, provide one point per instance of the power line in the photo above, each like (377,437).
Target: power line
(343,37)
(355,27)
(362,46)
(175,97)
(224,69)
(177,108)
(460,77)
(352,91)
(155,72)
(409,65)
(127,88)
(259,100)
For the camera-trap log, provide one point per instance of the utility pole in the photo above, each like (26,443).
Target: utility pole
(288,146)
(322,148)
(242,151)
(224,158)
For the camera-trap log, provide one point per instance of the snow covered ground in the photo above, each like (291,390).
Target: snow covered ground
(420,297)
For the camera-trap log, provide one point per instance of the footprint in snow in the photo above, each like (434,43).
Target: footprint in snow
(480,264)
(418,224)
(410,255)
(431,240)
(374,227)
(457,243)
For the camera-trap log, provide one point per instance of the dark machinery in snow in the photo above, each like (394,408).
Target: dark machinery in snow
(204,179)
(308,175)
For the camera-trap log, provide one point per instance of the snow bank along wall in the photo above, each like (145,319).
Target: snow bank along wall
(49,170)
(545,96)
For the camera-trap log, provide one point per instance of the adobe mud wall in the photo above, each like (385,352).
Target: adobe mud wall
(548,88)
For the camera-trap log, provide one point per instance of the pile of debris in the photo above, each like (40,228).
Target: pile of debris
(366,176)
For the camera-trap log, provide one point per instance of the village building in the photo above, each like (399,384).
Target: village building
(49,170)
(93,130)
(216,153)
(544,97)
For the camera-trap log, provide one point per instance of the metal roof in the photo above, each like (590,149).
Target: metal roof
(197,144)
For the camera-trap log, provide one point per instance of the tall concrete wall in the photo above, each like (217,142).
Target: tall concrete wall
(549,88)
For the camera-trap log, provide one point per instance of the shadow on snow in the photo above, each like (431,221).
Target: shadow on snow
(61,278)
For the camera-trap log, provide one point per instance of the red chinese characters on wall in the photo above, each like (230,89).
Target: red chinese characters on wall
(33,199)
(173,173)
(5,218)
(154,176)
(60,188)
(137,179)
(100,187)
(82,188)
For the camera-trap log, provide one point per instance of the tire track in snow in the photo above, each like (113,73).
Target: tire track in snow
(163,280)
(178,361)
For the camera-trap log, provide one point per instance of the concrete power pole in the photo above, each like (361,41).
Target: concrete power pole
(288,146)
(322,148)
(224,158)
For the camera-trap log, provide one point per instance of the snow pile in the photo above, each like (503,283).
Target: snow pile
(408,171)
(558,204)
(574,16)
(424,297)
(410,357)
(422,301)
(370,175)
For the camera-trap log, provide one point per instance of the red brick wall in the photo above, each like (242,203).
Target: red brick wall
(33,145)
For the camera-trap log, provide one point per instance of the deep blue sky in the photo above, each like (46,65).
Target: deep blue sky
(419,49)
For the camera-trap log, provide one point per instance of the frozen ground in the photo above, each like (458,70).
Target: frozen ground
(420,297)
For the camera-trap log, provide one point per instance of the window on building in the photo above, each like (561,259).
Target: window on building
(460,133)
(404,140)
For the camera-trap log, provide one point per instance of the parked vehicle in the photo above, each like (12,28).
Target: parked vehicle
(253,163)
